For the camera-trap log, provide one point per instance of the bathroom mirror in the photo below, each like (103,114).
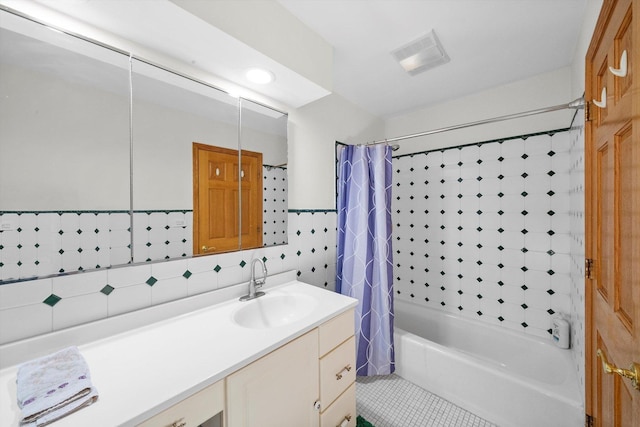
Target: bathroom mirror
(170,113)
(68,159)
(264,131)
(64,152)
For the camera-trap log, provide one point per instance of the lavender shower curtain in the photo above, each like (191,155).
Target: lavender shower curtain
(364,261)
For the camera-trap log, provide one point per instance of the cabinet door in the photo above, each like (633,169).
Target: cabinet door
(278,390)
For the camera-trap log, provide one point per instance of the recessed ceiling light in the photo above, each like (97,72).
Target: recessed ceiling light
(260,76)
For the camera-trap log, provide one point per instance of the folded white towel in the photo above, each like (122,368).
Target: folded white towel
(53,386)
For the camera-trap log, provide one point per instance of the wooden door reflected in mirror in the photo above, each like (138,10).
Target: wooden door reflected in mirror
(217,181)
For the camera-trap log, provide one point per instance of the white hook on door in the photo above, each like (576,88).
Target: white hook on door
(603,99)
(622,71)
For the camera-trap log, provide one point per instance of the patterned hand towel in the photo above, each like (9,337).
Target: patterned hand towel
(53,386)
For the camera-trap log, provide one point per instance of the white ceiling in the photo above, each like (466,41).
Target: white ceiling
(490,43)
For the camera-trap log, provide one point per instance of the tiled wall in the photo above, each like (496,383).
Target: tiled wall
(274,205)
(34,244)
(484,230)
(577,249)
(35,307)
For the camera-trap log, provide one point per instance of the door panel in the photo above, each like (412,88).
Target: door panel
(251,174)
(215,199)
(613,216)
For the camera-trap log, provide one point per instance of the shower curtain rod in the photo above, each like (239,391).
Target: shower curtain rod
(575,104)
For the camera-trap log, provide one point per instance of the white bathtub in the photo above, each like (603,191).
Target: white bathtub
(503,376)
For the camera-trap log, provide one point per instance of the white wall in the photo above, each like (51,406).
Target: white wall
(577,67)
(58,151)
(313,131)
(77,156)
(544,90)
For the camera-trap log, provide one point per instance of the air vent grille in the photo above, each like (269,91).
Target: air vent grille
(421,54)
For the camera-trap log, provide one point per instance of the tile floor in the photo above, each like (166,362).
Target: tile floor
(391,401)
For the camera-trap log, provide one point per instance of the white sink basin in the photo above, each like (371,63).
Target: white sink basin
(273,310)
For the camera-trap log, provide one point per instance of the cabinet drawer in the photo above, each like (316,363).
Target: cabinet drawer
(337,371)
(192,411)
(336,331)
(342,410)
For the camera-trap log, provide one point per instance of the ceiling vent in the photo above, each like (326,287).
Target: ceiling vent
(421,54)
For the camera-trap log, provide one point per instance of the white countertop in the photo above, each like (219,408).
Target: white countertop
(143,371)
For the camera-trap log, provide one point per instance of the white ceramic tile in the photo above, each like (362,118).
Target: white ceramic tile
(513,313)
(88,222)
(127,276)
(129,298)
(540,223)
(79,309)
(201,264)
(24,293)
(512,239)
(490,308)
(561,303)
(169,269)
(25,321)
(70,261)
(513,258)
(512,276)
(539,280)
(540,261)
(538,298)
(89,259)
(119,238)
(79,283)
(451,157)
(513,221)
(230,275)
(537,145)
(69,222)
(537,318)
(512,203)
(119,221)
(561,263)
(561,284)
(168,290)
(561,243)
(513,148)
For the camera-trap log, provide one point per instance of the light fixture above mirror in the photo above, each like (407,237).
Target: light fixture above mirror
(260,76)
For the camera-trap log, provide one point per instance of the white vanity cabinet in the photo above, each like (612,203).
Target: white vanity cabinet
(277,390)
(282,388)
(338,371)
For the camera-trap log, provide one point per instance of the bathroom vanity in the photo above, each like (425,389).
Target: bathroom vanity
(284,359)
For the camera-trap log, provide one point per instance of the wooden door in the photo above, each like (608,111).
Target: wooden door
(613,215)
(215,199)
(251,211)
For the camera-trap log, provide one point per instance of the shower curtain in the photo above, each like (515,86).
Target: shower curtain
(364,259)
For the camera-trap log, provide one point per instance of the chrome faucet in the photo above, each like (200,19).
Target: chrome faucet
(254,283)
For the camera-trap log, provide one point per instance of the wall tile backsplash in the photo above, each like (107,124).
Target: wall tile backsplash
(35,244)
(491,231)
(34,307)
(483,230)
